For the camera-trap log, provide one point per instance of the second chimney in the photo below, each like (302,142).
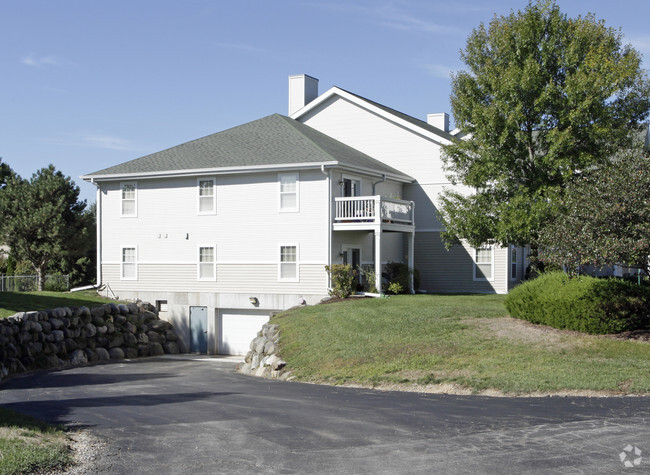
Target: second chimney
(302,90)
(440,120)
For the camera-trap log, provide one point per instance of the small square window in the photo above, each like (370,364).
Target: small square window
(483,264)
(161,306)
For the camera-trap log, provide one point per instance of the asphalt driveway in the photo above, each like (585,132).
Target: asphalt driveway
(196,415)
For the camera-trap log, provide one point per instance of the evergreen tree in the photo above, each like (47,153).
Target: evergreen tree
(42,218)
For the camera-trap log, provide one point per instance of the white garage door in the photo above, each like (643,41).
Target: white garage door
(237,328)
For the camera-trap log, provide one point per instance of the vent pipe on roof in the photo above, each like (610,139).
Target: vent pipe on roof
(302,90)
(440,120)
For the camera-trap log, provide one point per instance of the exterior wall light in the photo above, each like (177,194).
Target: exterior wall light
(253,300)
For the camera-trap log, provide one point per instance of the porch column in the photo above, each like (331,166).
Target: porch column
(411,263)
(378,259)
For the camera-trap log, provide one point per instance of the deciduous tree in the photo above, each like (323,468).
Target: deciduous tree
(544,97)
(604,217)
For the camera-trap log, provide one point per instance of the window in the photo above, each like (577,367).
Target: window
(207,196)
(129,199)
(129,263)
(288,270)
(161,305)
(513,263)
(483,263)
(288,192)
(207,263)
(350,186)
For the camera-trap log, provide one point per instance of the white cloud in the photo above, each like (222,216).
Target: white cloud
(394,18)
(49,60)
(95,141)
(439,70)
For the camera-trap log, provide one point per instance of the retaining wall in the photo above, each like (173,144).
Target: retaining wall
(65,337)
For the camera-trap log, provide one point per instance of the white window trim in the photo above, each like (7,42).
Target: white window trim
(198,263)
(198,196)
(122,262)
(135,200)
(352,178)
(288,244)
(516,263)
(483,279)
(295,209)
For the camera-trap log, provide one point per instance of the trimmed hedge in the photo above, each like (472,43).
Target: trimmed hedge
(585,304)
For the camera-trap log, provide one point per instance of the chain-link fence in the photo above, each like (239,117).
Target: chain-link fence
(29,283)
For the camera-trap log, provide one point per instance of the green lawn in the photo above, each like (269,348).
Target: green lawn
(30,446)
(467,341)
(12,302)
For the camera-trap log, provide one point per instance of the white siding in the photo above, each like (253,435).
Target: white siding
(246,230)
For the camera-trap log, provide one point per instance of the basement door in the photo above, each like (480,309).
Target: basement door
(199,330)
(237,328)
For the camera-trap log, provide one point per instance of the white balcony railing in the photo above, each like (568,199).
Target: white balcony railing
(373,210)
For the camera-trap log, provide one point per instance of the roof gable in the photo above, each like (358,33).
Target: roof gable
(416,125)
(274,140)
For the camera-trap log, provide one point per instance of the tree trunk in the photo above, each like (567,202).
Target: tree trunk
(41,278)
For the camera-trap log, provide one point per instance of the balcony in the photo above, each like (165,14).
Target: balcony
(373,212)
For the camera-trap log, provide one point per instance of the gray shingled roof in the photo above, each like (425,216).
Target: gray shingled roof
(272,140)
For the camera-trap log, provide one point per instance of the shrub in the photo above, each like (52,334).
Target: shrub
(343,280)
(398,272)
(395,288)
(369,276)
(585,304)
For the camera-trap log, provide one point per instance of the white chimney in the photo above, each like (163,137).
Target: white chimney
(302,90)
(440,120)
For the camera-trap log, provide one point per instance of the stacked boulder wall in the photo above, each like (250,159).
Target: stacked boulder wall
(263,360)
(70,336)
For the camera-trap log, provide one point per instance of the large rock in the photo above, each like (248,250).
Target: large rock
(78,357)
(116,353)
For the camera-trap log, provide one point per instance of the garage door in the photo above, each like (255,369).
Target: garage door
(237,328)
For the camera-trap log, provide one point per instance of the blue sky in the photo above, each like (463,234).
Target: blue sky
(89,84)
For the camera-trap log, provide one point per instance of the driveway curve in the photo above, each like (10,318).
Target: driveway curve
(194,414)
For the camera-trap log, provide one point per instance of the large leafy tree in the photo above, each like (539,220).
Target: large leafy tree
(42,218)
(544,96)
(604,217)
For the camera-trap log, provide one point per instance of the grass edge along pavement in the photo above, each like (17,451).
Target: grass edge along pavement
(28,445)
(461,341)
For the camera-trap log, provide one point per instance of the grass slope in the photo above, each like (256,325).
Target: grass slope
(28,445)
(13,302)
(464,340)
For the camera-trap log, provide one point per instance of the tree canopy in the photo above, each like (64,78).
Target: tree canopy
(544,97)
(604,217)
(42,218)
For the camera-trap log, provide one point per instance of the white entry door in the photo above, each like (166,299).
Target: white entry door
(237,328)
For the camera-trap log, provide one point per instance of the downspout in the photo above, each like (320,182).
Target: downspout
(328,181)
(374,185)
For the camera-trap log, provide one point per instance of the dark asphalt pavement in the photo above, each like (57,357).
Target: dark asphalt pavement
(196,415)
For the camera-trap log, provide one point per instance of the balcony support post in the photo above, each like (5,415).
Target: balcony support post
(411,264)
(378,258)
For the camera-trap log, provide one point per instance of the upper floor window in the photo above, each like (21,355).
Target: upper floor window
(484,263)
(288,270)
(129,198)
(129,263)
(289,197)
(207,263)
(207,196)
